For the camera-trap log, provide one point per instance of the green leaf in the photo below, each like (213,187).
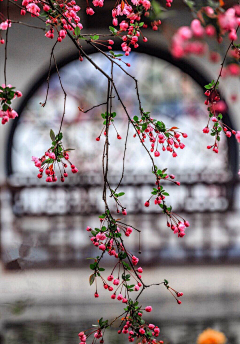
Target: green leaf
(102,216)
(101,269)
(82,37)
(59,137)
(113,30)
(144,126)
(156,7)
(111,52)
(121,194)
(113,114)
(126,265)
(47,161)
(122,255)
(52,135)
(95,37)
(165,194)
(92,266)
(77,31)
(91,279)
(118,55)
(135,118)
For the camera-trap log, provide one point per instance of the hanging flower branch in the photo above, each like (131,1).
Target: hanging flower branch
(60,19)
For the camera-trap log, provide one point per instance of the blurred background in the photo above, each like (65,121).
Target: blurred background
(45,296)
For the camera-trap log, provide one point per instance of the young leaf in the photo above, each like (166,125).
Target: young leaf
(112,29)
(121,194)
(95,37)
(77,31)
(52,135)
(91,279)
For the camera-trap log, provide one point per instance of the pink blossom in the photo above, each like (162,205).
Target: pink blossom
(89,11)
(185,33)
(197,29)
(116,281)
(5,25)
(102,247)
(101,236)
(238,136)
(148,308)
(120,297)
(33,8)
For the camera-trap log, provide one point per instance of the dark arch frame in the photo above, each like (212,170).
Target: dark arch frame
(155,51)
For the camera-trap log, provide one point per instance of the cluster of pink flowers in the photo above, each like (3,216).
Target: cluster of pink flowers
(229,21)
(102,241)
(177,223)
(6,115)
(142,331)
(167,143)
(168,139)
(188,40)
(47,164)
(67,20)
(124,278)
(182,44)
(96,3)
(178,227)
(130,27)
(7,94)
(54,156)
(31,7)
(216,109)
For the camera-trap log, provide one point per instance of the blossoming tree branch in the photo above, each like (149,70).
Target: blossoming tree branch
(59,19)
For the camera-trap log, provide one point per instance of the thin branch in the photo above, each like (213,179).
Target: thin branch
(93,107)
(124,155)
(28,25)
(6,44)
(49,74)
(65,94)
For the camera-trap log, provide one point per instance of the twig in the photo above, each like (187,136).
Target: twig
(6,44)
(49,73)
(65,94)
(28,25)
